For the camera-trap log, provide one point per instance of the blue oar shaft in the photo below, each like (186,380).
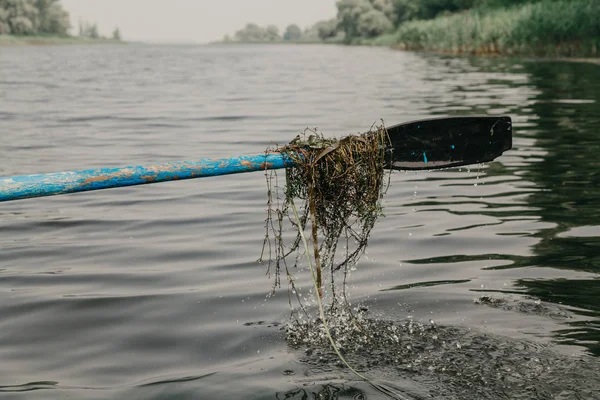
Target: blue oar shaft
(28,186)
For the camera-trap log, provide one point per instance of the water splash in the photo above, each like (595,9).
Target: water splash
(451,362)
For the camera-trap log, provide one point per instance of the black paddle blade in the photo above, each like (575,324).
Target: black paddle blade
(448,142)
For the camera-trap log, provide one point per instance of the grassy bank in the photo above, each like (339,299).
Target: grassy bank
(546,28)
(18,40)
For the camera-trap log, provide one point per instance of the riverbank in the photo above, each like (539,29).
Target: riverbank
(540,28)
(550,28)
(269,42)
(34,40)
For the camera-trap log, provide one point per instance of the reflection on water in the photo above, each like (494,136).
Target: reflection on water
(569,196)
(153,292)
(557,159)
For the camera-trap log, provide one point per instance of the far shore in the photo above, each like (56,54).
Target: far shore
(33,40)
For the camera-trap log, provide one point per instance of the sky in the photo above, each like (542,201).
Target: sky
(198,21)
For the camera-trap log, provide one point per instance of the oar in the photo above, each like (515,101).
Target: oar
(425,144)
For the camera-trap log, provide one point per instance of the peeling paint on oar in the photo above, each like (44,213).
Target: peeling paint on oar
(29,186)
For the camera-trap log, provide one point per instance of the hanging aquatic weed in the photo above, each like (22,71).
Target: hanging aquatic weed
(338,184)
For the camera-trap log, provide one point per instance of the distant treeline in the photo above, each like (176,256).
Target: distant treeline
(87,30)
(362,19)
(558,27)
(321,31)
(42,17)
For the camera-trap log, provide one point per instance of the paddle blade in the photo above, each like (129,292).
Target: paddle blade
(448,142)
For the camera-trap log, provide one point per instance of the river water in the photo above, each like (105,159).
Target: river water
(154,292)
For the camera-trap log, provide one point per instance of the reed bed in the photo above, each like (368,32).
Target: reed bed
(545,28)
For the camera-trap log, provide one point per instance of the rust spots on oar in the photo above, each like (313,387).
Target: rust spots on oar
(262,165)
(96,179)
(121,174)
(148,178)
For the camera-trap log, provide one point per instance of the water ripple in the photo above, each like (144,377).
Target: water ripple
(154,292)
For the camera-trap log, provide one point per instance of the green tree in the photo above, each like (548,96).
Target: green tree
(405,10)
(327,29)
(53,18)
(310,34)
(93,31)
(365,18)
(33,16)
(373,23)
(292,33)
(116,35)
(23,16)
(4,25)
(348,13)
(387,7)
(22,25)
(43,6)
(251,33)
(88,30)
(431,8)
(272,33)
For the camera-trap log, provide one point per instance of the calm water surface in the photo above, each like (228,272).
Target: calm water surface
(154,292)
